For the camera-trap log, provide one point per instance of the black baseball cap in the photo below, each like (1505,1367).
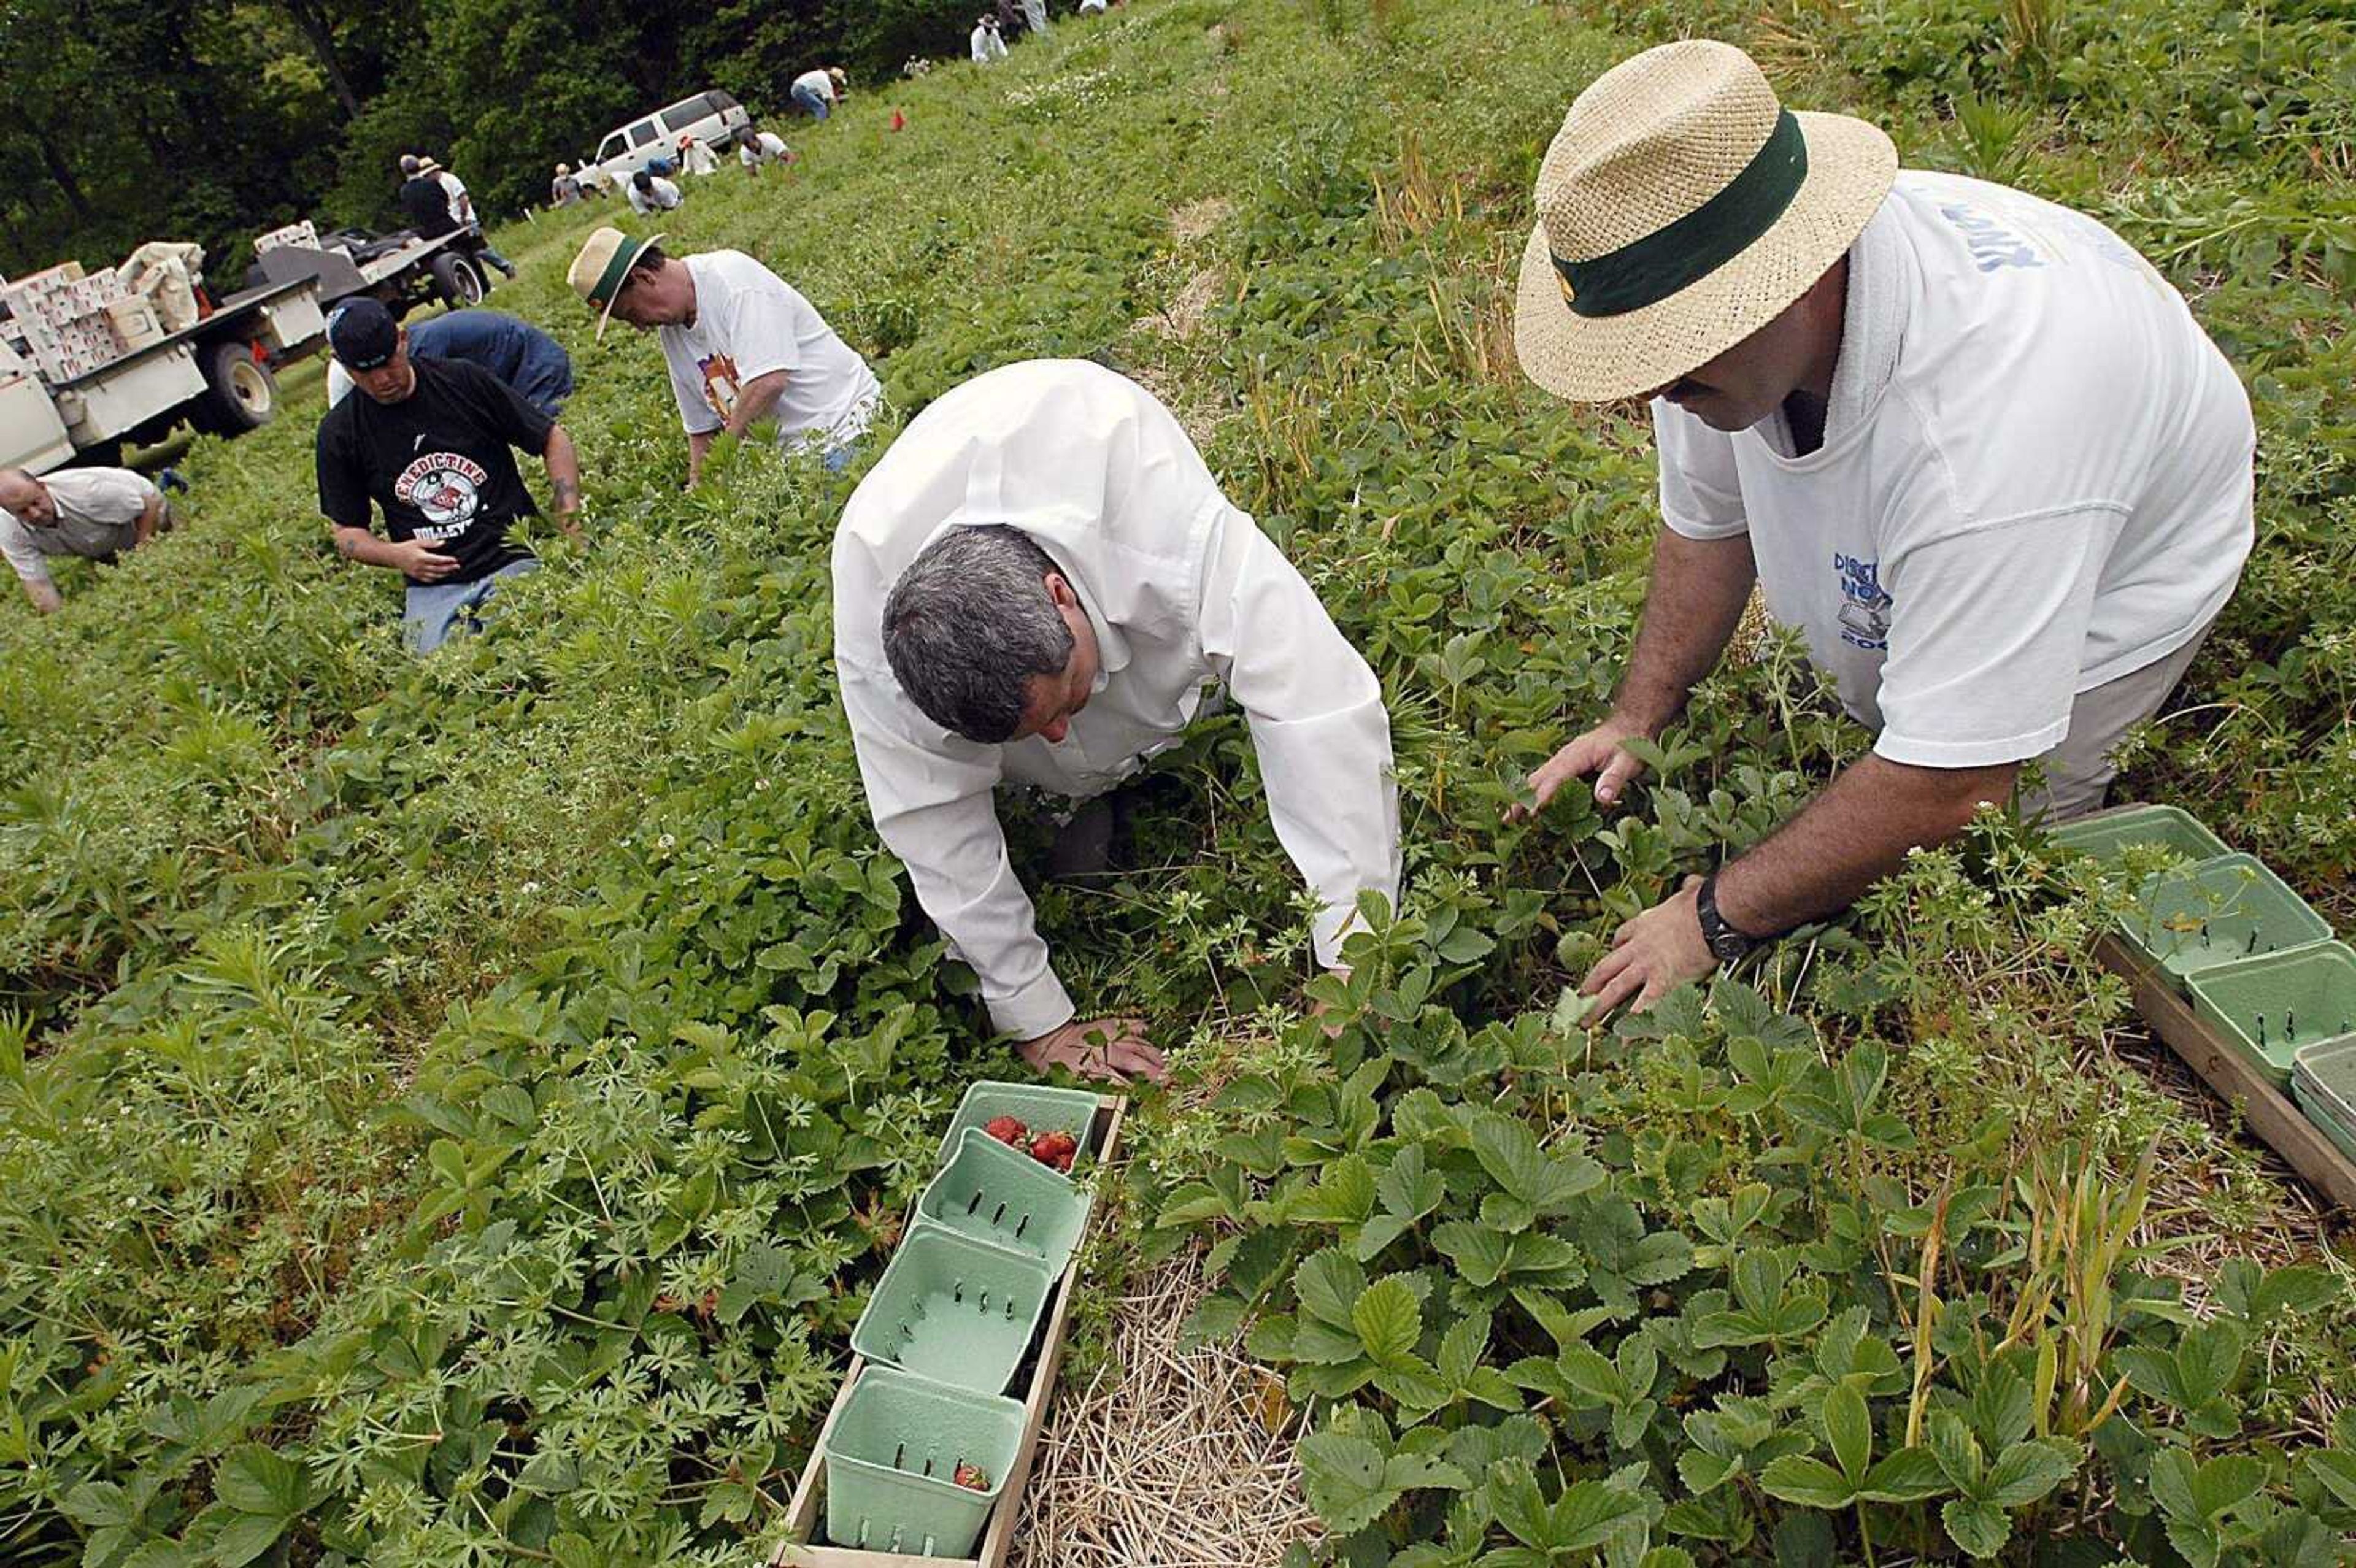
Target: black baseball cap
(362,334)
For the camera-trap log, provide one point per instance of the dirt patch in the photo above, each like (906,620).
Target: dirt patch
(1182,316)
(1197,218)
(1170,1458)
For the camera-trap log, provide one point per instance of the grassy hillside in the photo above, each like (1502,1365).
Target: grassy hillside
(454,1107)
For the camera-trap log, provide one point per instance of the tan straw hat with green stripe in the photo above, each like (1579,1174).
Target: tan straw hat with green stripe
(1680,209)
(605,261)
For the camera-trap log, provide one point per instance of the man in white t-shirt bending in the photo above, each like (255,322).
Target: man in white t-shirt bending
(743,344)
(1967,442)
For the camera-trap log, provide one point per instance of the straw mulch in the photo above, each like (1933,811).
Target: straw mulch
(1169,1457)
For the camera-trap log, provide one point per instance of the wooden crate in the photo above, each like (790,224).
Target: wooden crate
(2273,1116)
(807,1513)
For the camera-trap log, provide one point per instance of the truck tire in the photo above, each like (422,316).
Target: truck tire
(457,279)
(240,394)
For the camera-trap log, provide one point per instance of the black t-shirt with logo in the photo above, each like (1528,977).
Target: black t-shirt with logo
(438,461)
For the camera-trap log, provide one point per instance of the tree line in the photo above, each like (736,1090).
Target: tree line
(133,119)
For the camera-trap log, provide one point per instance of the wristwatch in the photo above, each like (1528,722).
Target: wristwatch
(1726,944)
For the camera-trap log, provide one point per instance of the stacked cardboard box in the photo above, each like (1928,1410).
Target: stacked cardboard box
(63,316)
(303,233)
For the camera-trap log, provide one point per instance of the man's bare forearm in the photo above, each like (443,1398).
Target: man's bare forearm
(754,398)
(1852,835)
(150,516)
(1699,587)
(359,544)
(43,594)
(564,473)
(699,441)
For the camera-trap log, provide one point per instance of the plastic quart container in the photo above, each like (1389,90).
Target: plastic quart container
(2275,1008)
(2220,912)
(2323,1080)
(954,1309)
(1038,1106)
(990,1192)
(2170,828)
(893,1458)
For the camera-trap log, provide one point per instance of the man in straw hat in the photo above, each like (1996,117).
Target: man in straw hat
(1967,442)
(743,345)
(1041,584)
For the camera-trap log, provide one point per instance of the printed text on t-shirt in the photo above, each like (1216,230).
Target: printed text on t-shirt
(446,489)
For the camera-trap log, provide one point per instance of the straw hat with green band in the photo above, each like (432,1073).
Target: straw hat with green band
(1680,209)
(605,261)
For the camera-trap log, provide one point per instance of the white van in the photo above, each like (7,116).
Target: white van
(713,118)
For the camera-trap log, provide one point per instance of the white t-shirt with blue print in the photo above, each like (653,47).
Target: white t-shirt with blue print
(2035,478)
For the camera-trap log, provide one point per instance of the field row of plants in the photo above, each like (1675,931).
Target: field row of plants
(451,1110)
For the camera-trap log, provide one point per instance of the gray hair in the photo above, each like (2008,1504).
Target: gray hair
(970,623)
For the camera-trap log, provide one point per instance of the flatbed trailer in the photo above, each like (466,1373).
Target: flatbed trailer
(215,374)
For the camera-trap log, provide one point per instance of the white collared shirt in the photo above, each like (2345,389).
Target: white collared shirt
(1185,593)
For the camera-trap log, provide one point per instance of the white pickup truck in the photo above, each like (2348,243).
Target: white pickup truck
(215,374)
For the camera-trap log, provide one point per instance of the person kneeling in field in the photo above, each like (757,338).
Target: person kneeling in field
(509,346)
(1036,585)
(1975,448)
(428,440)
(743,345)
(95,513)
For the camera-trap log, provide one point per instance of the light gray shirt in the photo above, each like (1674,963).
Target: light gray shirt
(98,516)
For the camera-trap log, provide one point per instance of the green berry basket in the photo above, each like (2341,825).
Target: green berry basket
(954,1309)
(2170,827)
(1038,1106)
(991,1192)
(892,1455)
(2274,1007)
(2220,912)
(2323,1082)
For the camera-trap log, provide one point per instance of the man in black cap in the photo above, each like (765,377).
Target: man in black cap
(429,443)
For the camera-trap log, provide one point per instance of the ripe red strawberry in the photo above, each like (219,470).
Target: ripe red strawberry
(1008,1130)
(972,1478)
(1055,1150)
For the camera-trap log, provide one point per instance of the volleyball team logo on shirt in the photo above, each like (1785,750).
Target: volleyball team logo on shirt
(446,489)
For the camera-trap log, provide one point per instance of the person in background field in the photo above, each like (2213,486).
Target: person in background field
(816,93)
(651,192)
(742,344)
(987,42)
(594,180)
(1010,20)
(917,65)
(94,513)
(1097,6)
(461,211)
(1970,444)
(755,147)
(424,201)
(563,190)
(1041,584)
(1035,16)
(432,443)
(514,350)
(695,158)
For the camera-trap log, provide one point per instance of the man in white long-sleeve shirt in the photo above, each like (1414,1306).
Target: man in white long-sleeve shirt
(1039,583)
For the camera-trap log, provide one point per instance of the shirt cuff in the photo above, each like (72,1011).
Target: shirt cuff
(1915,751)
(1041,1006)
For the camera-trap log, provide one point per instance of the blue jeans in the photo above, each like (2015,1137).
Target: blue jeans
(430,613)
(838,458)
(812,102)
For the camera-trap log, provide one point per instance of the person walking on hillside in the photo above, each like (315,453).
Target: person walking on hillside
(816,92)
(95,513)
(563,190)
(651,192)
(461,211)
(1035,16)
(742,344)
(432,443)
(1041,584)
(987,42)
(1968,443)
(528,359)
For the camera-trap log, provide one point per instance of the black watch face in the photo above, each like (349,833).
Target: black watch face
(1730,946)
